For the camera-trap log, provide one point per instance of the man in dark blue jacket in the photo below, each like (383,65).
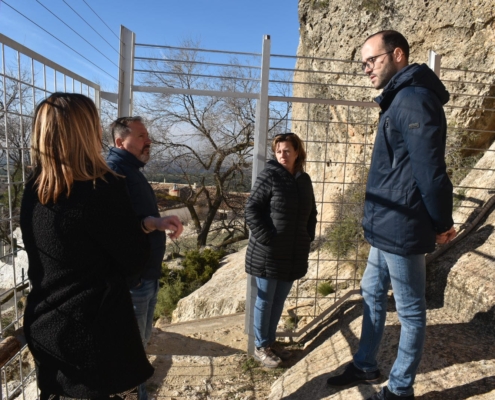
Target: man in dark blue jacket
(130,154)
(408,208)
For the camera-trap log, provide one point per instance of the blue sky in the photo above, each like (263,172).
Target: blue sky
(237,25)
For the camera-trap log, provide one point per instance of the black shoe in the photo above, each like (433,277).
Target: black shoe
(352,376)
(386,394)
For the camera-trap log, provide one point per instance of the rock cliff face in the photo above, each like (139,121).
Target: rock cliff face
(462,31)
(331,36)
(464,279)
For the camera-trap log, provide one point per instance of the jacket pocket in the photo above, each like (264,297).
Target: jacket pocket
(386,216)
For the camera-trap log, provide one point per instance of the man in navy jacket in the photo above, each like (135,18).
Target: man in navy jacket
(130,154)
(408,208)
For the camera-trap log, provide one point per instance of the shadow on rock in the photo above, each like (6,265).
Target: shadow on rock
(171,343)
(467,391)
(437,272)
(446,345)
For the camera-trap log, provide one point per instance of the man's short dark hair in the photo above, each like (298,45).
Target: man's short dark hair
(120,127)
(393,39)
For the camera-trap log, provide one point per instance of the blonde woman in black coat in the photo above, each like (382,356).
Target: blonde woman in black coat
(82,240)
(281,214)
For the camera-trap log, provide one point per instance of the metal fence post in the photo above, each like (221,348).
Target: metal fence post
(434,61)
(126,72)
(259,161)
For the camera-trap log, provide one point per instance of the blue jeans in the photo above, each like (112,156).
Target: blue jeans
(144,298)
(408,277)
(268,309)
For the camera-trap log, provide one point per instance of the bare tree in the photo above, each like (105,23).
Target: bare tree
(207,139)
(16,106)
(108,114)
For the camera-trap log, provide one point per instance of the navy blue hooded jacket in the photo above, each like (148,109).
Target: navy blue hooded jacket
(408,193)
(144,204)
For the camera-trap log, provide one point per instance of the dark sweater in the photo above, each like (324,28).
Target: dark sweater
(79,319)
(144,204)
(281,214)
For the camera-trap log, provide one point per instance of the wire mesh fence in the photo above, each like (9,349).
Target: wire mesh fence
(26,78)
(333,112)
(327,102)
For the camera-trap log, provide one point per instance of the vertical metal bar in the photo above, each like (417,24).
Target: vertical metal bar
(14,180)
(434,61)
(98,100)
(44,80)
(33,91)
(10,184)
(5,118)
(259,161)
(126,73)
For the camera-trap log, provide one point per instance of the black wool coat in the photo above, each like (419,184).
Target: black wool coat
(281,214)
(79,320)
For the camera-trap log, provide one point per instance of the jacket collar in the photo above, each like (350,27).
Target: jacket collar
(412,75)
(124,155)
(276,165)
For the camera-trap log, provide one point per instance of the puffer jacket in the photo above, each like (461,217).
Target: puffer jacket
(144,203)
(281,214)
(408,193)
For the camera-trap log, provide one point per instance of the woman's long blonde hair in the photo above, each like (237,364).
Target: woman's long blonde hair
(66,144)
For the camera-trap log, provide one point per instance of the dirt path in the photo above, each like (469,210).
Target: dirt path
(206,359)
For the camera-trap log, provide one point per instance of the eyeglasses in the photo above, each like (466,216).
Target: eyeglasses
(370,62)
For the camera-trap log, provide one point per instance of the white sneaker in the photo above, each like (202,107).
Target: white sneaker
(266,356)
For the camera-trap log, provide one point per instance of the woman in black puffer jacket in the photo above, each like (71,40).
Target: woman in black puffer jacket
(281,214)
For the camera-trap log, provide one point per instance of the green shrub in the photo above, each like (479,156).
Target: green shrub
(343,236)
(346,234)
(198,267)
(325,288)
(168,297)
(291,323)
(319,4)
(373,6)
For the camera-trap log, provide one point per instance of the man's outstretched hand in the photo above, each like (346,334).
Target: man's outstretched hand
(446,237)
(171,223)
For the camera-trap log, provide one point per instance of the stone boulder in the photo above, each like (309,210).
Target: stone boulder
(223,294)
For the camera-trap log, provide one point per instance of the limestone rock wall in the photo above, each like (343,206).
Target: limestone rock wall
(464,279)
(331,35)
